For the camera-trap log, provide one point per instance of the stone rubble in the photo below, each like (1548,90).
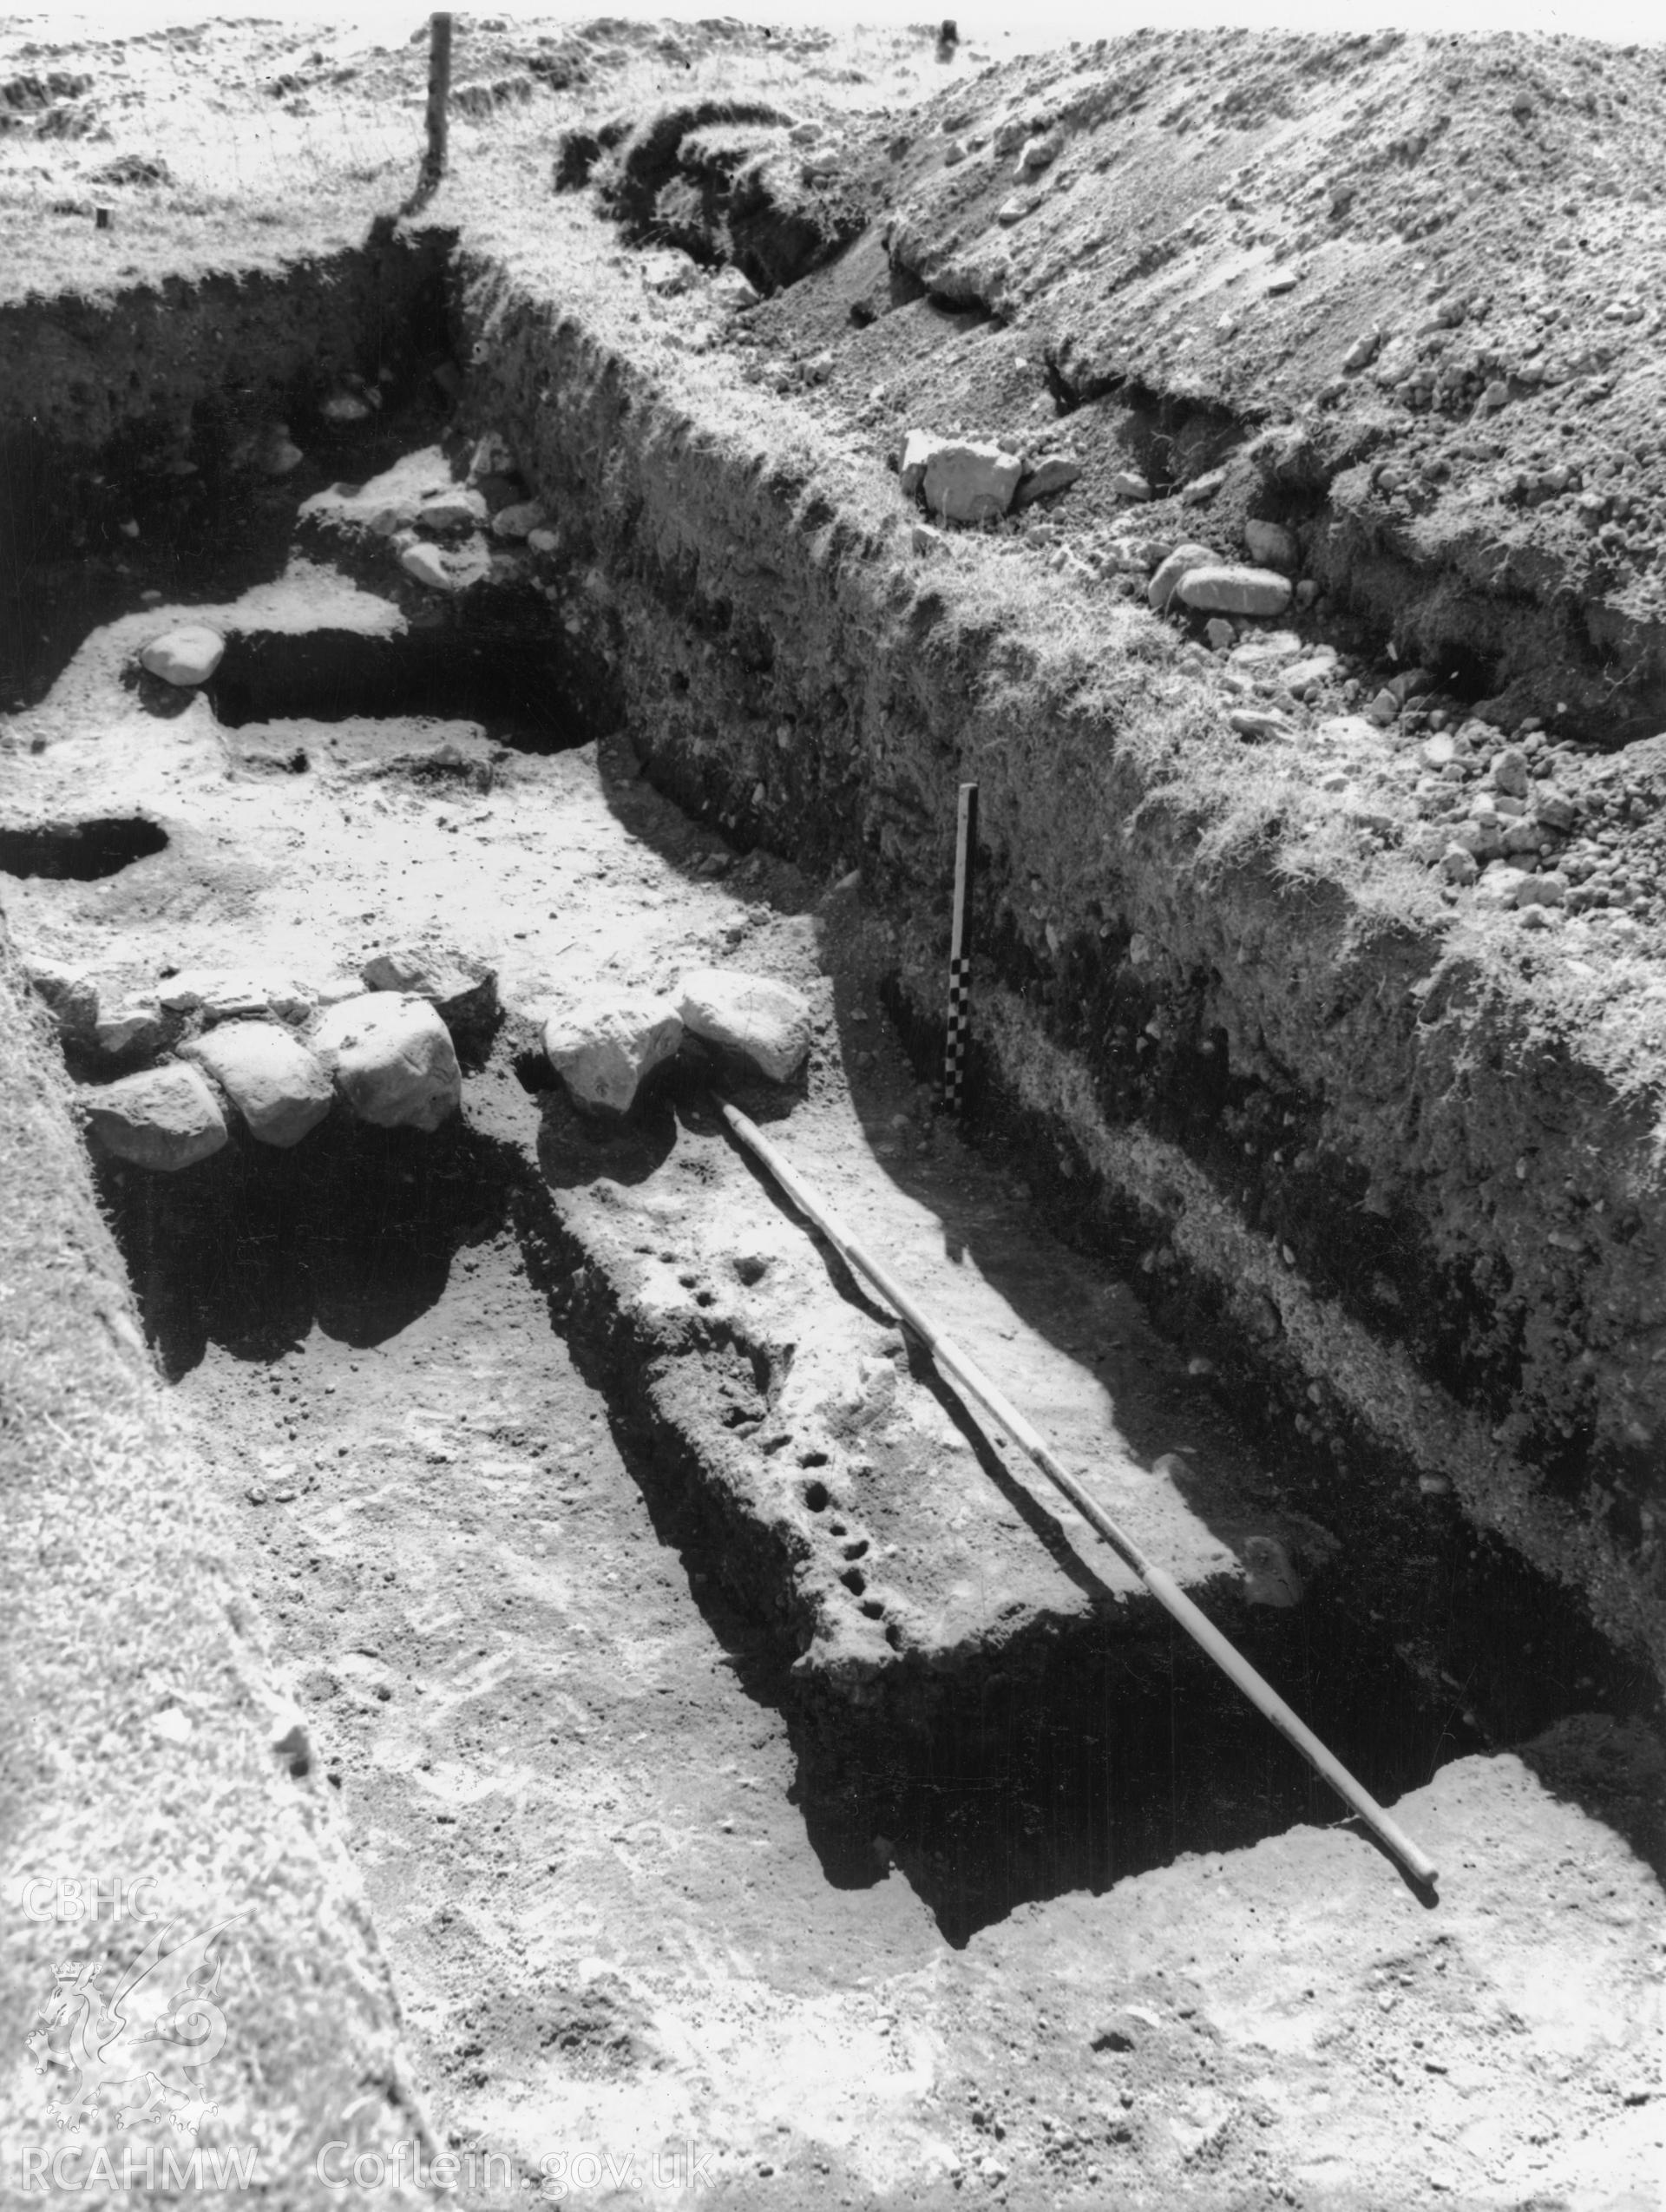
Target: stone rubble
(281,1090)
(1055,473)
(767,1022)
(221,995)
(186,656)
(1173,571)
(966,481)
(1233,590)
(427,564)
(519,520)
(392,1060)
(1485,814)
(604,1048)
(166,1118)
(462,990)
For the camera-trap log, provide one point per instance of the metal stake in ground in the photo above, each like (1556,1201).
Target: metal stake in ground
(1168,1593)
(960,951)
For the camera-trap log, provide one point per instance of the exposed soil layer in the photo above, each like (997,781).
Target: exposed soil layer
(1235,1026)
(1307,261)
(148,428)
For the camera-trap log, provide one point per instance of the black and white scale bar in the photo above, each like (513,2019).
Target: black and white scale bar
(960,951)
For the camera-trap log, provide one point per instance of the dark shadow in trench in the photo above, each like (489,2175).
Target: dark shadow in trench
(1063,1761)
(352,1232)
(519,688)
(1071,1756)
(1437,1617)
(1067,1761)
(687,834)
(574,1149)
(79,549)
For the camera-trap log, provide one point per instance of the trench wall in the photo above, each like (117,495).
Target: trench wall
(1405,1188)
(142,1741)
(97,391)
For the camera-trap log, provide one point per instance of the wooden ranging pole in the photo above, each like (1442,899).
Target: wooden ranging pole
(960,952)
(978,1387)
(439,97)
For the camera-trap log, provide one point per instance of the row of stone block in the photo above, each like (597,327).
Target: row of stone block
(389,1058)
(387,1055)
(605,1047)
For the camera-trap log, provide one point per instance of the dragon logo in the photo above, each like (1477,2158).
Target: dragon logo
(150,2047)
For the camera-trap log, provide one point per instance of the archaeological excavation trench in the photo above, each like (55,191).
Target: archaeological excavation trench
(678,1656)
(1062,1756)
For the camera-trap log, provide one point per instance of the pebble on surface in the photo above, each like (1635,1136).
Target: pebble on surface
(135,1027)
(70,995)
(277,454)
(427,564)
(1269,1578)
(1271,543)
(221,996)
(463,989)
(457,508)
(518,520)
(1173,571)
(1236,591)
(733,289)
(965,482)
(917,449)
(1053,474)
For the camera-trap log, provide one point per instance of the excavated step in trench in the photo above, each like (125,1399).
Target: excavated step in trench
(545,1664)
(732,1736)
